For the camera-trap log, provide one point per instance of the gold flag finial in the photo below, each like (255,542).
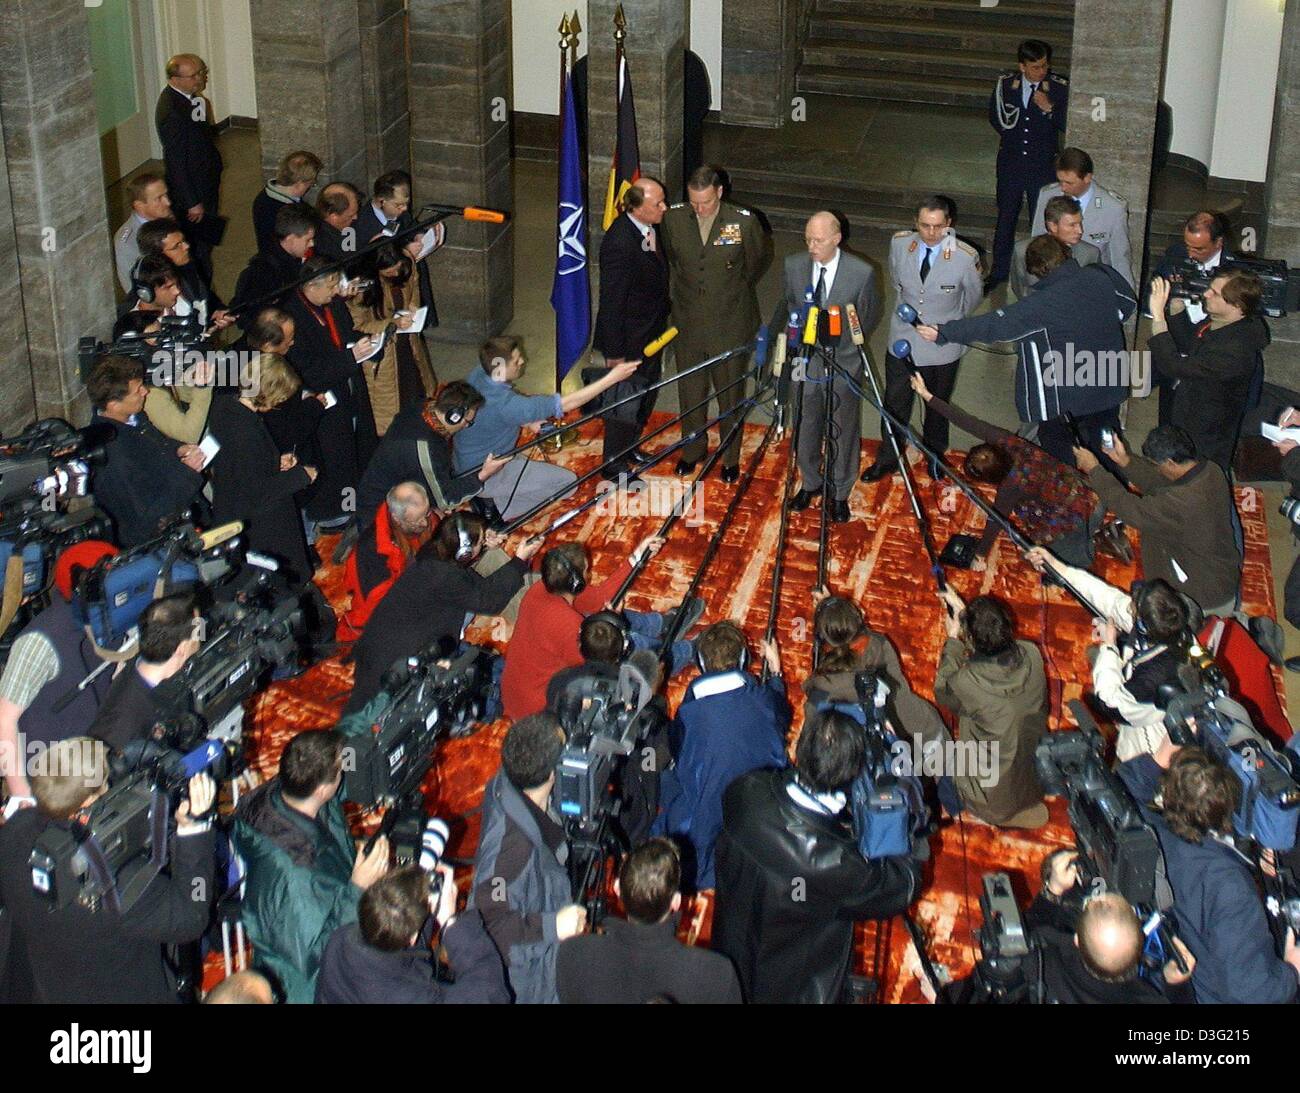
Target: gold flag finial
(620,24)
(575,24)
(564,31)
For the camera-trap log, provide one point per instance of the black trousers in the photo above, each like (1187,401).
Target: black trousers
(1055,436)
(624,425)
(899,396)
(1019,180)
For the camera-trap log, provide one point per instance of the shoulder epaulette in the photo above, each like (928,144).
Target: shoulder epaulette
(962,245)
(743,212)
(679,205)
(1118,197)
(1058,79)
(905,231)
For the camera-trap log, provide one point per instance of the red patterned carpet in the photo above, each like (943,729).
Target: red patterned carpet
(876,559)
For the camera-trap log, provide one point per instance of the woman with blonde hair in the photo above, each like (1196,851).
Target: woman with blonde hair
(401,374)
(251,481)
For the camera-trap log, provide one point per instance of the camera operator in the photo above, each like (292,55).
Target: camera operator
(163,238)
(521,880)
(545,638)
(399,530)
(1145,640)
(1189,799)
(145,481)
(639,958)
(728,724)
(47,662)
(304,876)
(384,957)
(155,292)
(1217,363)
(1180,491)
(791,880)
(996,685)
(78,955)
(169,636)
(433,598)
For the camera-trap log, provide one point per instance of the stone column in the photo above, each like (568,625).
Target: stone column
(460,155)
(64,260)
(1115,65)
(1282,192)
(656,51)
(18,407)
(307,64)
(760,53)
(382,27)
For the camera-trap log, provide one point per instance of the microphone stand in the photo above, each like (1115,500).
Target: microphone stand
(715,542)
(564,491)
(778,568)
(680,507)
(976,498)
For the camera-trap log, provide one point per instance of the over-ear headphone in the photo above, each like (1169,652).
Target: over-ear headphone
(464,540)
(615,619)
(455,413)
(742,663)
(143,292)
(574,579)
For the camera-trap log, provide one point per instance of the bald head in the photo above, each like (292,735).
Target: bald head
(408,507)
(1109,937)
(338,205)
(246,988)
(822,236)
(188,73)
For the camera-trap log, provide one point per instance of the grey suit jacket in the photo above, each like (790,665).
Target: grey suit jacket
(855,283)
(1022,281)
(952,290)
(1105,225)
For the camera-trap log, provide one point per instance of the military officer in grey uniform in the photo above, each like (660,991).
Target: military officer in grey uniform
(716,253)
(1105,213)
(937,274)
(1064,221)
(828,277)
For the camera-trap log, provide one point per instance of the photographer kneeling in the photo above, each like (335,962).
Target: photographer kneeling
(304,876)
(1189,799)
(521,878)
(106,956)
(384,957)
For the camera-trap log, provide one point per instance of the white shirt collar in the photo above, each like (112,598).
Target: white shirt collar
(184,94)
(1025,93)
(831,267)
(1086,198)
(717,684)
(1211,263)
(379,214)
(644,229)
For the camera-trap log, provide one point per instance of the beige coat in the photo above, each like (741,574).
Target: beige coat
(184,422)
(381,371)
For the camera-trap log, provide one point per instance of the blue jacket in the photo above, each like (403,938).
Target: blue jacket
(1217,908)
(729,725)
(498,421)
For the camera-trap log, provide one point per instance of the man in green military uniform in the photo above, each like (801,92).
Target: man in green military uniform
(716,253)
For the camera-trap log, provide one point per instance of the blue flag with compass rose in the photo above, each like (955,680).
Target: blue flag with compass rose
(571,289)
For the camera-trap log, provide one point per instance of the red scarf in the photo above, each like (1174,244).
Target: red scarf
(325,317)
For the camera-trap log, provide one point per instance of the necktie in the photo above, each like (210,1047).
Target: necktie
(925,263)
(820,294)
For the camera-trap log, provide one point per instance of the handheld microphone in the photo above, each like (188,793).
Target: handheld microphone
(810,326)
(778,353)
(908,314)
(902,349)
(658,344)
(834,327)
(761,347)
(218,535)
(855,325)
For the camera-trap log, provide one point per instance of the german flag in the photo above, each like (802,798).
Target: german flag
(626,168)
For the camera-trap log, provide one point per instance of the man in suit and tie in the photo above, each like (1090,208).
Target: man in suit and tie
(831,277)
(938,275)
(633,312)
(716,253)
(193,164)
(1105,213)
(1063,219)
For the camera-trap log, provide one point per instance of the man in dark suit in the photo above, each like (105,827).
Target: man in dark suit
(388,212)
(827,276)
(280,265)
(193,164)
(633,312)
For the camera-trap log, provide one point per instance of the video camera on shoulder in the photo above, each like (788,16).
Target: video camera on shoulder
(178,336)
(1281,287)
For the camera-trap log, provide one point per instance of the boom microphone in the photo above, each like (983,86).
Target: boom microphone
(908,314)
(658,344)
(483,216)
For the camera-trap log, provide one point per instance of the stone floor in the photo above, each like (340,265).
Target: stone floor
(983,387)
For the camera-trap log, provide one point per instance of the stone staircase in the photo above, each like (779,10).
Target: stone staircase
(943,52)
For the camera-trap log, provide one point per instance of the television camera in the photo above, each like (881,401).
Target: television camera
(1281,287)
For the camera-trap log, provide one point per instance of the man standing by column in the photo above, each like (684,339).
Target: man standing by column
(716,253)
(633,312)
(1027,110)
(939,276)
(185,127)
(1105,213)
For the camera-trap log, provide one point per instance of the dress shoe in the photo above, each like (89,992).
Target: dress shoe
(801,500)
(839,512)
(877,471)
(686,466)
(730,474)
(1292,664)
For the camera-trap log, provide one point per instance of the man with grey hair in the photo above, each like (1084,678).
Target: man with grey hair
(397,530)
(825,276)
(1063,220)
(193,165)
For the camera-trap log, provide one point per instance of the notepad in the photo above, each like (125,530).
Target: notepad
(417,321)
(1276,433)
(209,446)
(431,241)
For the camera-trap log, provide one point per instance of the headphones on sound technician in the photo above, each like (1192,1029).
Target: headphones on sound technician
(618,621)
(142,292)
(455,413)
(574,579)
(742,663)
(465,540)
